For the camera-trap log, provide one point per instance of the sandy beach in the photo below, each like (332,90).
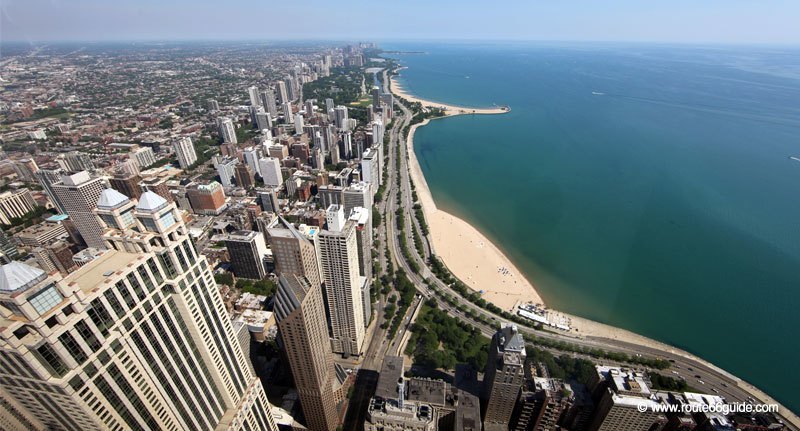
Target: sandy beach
(449,110)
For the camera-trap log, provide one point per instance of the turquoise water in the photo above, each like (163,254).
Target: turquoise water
(648,187)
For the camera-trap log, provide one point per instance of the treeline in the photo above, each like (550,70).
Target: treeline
(564,346)
(441,341)
(563,367)
(395,311)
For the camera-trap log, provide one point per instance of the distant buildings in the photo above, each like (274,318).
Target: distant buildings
(184,149)
(79,194)
(75,162)
(247,250)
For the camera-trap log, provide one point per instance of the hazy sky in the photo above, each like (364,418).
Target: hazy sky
(725,21)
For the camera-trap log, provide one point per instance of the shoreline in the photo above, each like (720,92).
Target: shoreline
(458,255)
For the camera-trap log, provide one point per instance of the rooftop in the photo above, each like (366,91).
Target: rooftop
(94,273)
(150,201)
(16,276)
(391,372)
(110,198)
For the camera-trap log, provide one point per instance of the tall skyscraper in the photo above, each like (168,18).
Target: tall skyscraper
(184,149)
(227,171)
(357,195)
(227,130)
(79,193)
(75,162)
(338,254)
(270,169)
(15,204)
(244,176)
(255,99)
(247,250)
(298,124)
(294,254)
(268,101)
(505,373)
(131,340)
(300,311)
(340,117)
(46,179)
(283,94)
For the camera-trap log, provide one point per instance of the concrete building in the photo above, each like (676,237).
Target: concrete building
(371,171)
(252,92)
(268,101)
(144,156)
(504,376)
(357,195)
(294,254)
(303,330)
(340,117)
(131,340)
(41,234)
(15,204)
(184,149)
(361,217)
(227,171)
(270,168)
(227,130)
(338,254)
(47,178)
(75,162)
(622,394)
(244,176)
(79,194)
(298,124)
(247,250)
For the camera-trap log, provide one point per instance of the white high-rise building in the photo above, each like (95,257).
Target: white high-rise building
(138,338)
(298,123)
(226,169)
(184,149)
(338,254)
(227,130)
(283,95)
(287,112)
(357,195)
(144,156)
(255,99)
(340,117)
(270,168)
(79,194)
(378,131)
(251,158)
(371,168)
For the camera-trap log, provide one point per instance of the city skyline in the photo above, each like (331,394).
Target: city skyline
(736,22)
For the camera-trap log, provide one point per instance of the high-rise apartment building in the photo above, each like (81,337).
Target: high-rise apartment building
(270,168)
(340,117)
(127,184)
(300,312)
(75,162)
(247,250)
(184,149)
(79,194)
(15,204)
(227,130)
(268,101)
(227,171)
(283,94)
(338,254)
(505,373)
(47,178)
(244,176)
(138,338)
(255,99)
(294,254)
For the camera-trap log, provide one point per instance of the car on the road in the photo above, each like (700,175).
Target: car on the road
(701,382)
(697,376)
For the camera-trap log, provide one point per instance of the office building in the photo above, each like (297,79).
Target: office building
(294,254)
(75,162)
(300,311)
(127,184)
(270,168)
(206,199)
(247,250)
(46,179)
(505,373)
(129,340)
(79,193)
(184,149)
(338,254)
(15,204)
(227,130)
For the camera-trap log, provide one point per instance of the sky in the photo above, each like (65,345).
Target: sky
(679,21)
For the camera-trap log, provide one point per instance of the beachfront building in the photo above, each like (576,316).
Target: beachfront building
(138,338)
(505,373)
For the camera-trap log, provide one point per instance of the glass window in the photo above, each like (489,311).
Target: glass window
(45,299)
(50,360)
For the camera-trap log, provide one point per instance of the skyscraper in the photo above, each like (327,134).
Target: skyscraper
(268,101)
(283,95)
(227,130)
(300,311)
(227,171)
(247,250)
(340,117)
(79,194)
(127,184)
(131,340)
(294,254)
(255,99)
(298,124)
(338,254)
(46,179)
(505,373)
(244,176)
(184,149)
(75,162)
(270,169)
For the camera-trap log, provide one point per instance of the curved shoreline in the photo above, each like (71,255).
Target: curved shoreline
(451,249)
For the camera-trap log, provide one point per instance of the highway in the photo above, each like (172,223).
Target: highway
(698,374)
